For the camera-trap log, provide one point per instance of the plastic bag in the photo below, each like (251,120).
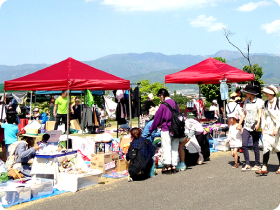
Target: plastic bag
(3,167)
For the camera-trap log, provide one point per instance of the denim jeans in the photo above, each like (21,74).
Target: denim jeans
(7,149)
(245,139)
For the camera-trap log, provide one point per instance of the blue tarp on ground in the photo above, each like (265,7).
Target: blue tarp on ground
(96,93)
(55,192)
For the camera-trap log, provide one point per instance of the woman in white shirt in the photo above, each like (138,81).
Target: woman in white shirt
(270,127)
(214,107)
(233,107)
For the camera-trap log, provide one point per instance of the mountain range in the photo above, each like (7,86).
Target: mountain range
(154,66)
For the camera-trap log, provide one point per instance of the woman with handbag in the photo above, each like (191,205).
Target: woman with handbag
(270,127)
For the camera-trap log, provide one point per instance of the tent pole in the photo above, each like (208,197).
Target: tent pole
(68,117)
(130,114)
(30,112)
(82,117)
(199,95)
(4,102)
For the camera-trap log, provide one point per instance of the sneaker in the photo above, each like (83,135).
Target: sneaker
(181,167)
(246,168)
(256,168)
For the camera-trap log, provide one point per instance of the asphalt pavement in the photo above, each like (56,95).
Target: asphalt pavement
(213,185)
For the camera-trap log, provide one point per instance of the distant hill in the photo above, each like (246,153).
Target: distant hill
(155,66)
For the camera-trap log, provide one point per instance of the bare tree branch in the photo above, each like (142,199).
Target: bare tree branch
(227,34)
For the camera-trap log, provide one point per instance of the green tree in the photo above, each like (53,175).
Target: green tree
(257,70)
(211,92)
(147,88)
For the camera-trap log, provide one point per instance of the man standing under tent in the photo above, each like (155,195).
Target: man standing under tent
(61,107)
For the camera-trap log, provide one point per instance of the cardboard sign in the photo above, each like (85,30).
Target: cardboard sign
(110,165)
(54,135)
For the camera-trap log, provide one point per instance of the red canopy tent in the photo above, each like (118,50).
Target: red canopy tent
(209,71)
(69,74)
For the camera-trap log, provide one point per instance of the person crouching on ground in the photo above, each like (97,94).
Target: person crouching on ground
(147,151)
(26,150)
(270,127)
(169,144)
(234,137)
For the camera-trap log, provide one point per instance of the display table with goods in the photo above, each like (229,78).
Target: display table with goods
(65,166)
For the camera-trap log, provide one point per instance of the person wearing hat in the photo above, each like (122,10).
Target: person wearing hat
(26,150)
(252,118)
(235,137)
(36,114)
(149,103)
(233,106)
(270,127)
(214,107)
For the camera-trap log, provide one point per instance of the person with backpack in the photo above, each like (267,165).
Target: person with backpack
(252,115)
(270,127)
(172,130)
(140,154)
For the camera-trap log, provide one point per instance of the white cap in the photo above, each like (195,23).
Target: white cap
(214,102)
(151,96)
(36,110)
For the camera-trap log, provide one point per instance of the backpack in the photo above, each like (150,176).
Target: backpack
(137,163)
(177,129)
(11,160)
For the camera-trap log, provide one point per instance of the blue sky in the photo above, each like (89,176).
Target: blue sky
(48,31)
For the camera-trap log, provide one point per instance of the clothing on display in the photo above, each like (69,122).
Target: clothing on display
(136,102)
(121,108)
(3,110)
(111,107)
(224,90)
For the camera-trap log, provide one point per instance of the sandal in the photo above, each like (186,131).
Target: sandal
(173,170)
(166,169)
(236,165)
(261,172)
(278,171)
(246,168)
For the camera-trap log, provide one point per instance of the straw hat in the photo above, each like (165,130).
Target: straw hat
(271,89)
(233,97)
(151,96)
(31,132)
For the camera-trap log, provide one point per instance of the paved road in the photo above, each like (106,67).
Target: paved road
(214,185)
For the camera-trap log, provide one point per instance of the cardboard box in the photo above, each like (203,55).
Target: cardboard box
(124,141)
(107,163)
(122,165)
(75,124)
(50,125)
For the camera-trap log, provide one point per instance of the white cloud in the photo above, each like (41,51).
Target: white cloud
(154,5)
(253,6)
(207,22)
(272,28)
(278,1)
(1,2)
